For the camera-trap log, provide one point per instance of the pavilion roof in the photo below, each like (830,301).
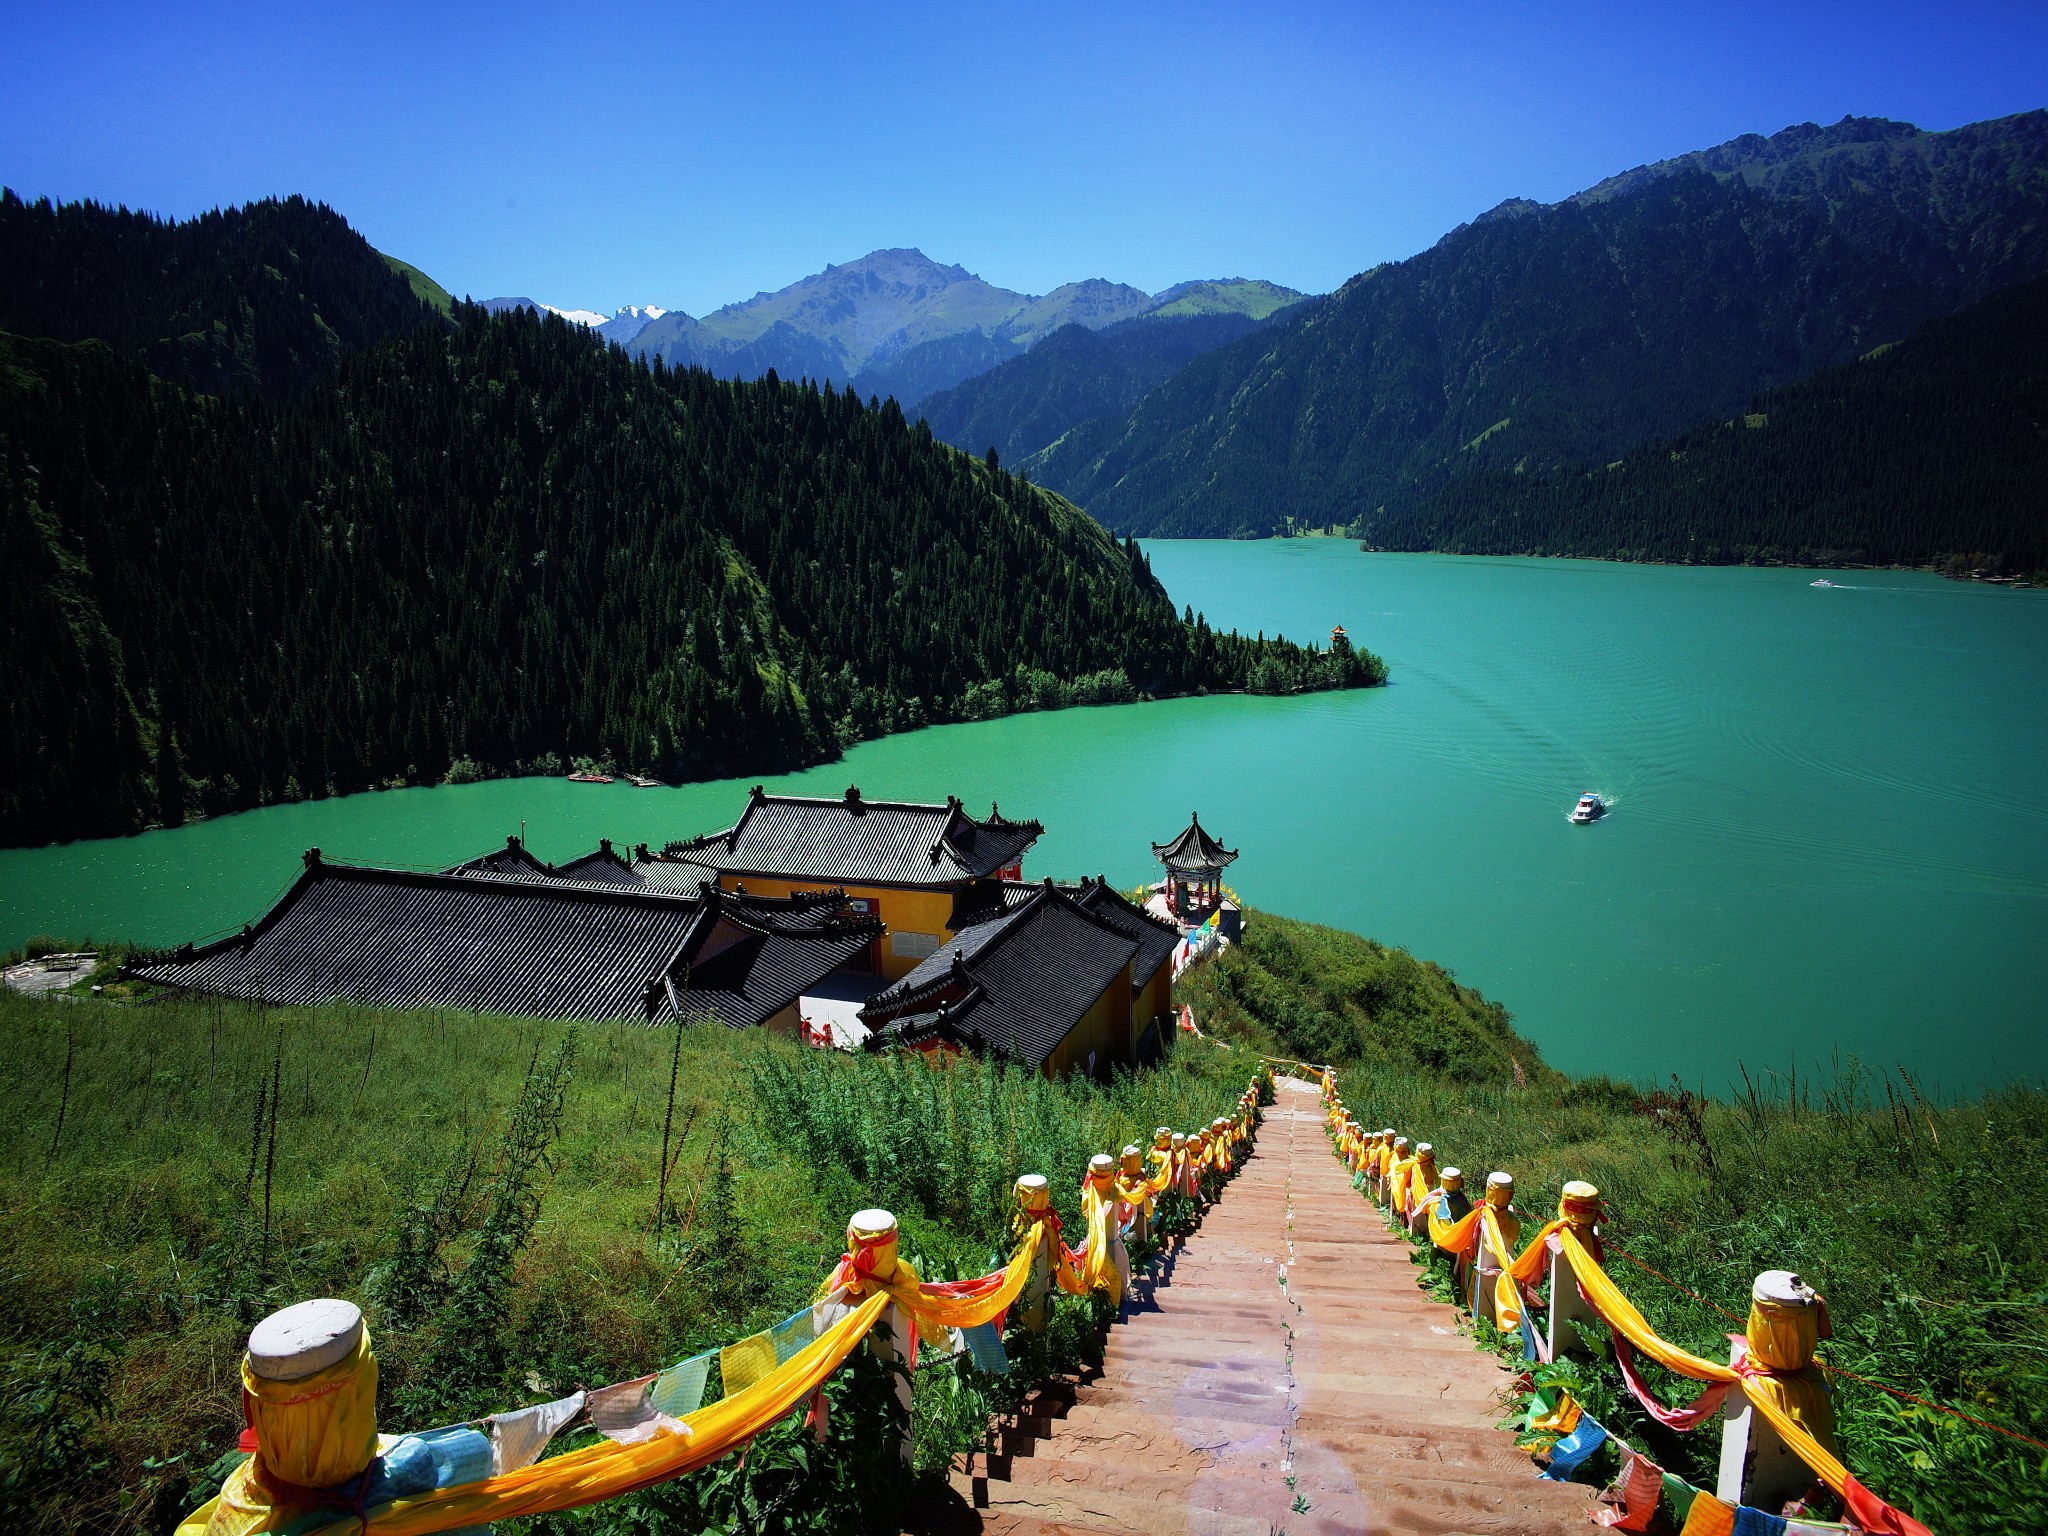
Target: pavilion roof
(1193,852)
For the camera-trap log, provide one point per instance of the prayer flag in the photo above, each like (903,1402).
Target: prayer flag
(1876,1516)
(1583,1441)
(741,1365)
(793,1333)
(1708,1517)
(1681,1494)
(985,1348)
(1632,1500)
(517,1439)
(679,1390)
(624,1414)
(1757,1522)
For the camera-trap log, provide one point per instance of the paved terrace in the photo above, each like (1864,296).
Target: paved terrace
(1283,1374)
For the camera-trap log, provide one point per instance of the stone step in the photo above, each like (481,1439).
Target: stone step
(1123,1513)
(1197,1424)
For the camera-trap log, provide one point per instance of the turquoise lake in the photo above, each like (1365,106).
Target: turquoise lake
(1829,834)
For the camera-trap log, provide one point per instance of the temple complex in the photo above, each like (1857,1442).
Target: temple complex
(846,921)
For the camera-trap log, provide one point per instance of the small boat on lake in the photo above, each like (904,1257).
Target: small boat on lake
(590,778)
(1590,808)
(1823,582)
(641,781)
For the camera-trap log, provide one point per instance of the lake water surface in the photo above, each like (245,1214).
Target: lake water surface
(1830,824)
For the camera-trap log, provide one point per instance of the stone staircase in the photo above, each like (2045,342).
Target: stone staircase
(1280,1372)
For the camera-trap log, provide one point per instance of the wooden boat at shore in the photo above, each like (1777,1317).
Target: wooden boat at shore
(590,778)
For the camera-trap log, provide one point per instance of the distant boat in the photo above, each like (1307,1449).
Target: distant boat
(1590,808)
(590,778)
(641,781)
(1823,582)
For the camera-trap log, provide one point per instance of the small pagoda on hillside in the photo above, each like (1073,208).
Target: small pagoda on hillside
(1192,891)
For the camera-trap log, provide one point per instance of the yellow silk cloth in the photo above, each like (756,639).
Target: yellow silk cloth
(1498,1230)
(934,1310)
(314,1432)
(321,1429)
(1457,1238)
(1397,1182)
(1098,1210)
(1782,1338)
(603,1471)
(1783,1400)
(1421,1180)
(1530,1262)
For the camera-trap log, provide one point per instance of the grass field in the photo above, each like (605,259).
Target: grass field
(170,1172)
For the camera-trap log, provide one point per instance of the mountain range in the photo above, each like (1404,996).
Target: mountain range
(897,324)
(1543,337)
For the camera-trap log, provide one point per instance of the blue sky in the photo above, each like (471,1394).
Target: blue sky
(689,155)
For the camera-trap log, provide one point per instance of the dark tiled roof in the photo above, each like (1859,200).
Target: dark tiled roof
(601,864)
(544,948)
(861,842)
(1016,985)
(1156,937)
(513,860)
(665,874)
(1194,851)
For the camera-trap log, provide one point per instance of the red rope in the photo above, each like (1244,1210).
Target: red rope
(1836,1370)
(1996,1429)
(1688,1290)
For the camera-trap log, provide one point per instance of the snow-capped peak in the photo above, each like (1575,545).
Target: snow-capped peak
(577,316)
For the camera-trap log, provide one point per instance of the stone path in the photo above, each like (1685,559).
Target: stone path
(1282,1374)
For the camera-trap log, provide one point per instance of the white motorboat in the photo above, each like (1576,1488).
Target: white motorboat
(1823,582)
(1590,808)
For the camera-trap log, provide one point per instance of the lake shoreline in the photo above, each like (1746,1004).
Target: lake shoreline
(1825,834)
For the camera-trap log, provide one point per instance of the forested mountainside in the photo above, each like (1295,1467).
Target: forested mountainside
(1539,337)
(492,543)
(1072,376)
(1933,451)
(264,297)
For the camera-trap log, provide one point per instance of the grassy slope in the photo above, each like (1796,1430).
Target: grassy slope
(144,1230)
(424,288)
(1919,1222)
(137,1249)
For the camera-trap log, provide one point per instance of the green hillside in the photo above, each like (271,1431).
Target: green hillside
(424,288)
(1074,375)
(1931,451)
(1538,337)
(144,1239)
(1253,297)
(496,547)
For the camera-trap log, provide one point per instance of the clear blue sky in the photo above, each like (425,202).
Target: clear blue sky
(689,155)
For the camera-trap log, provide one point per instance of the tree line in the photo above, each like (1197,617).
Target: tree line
(492,545)
(1930,452)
